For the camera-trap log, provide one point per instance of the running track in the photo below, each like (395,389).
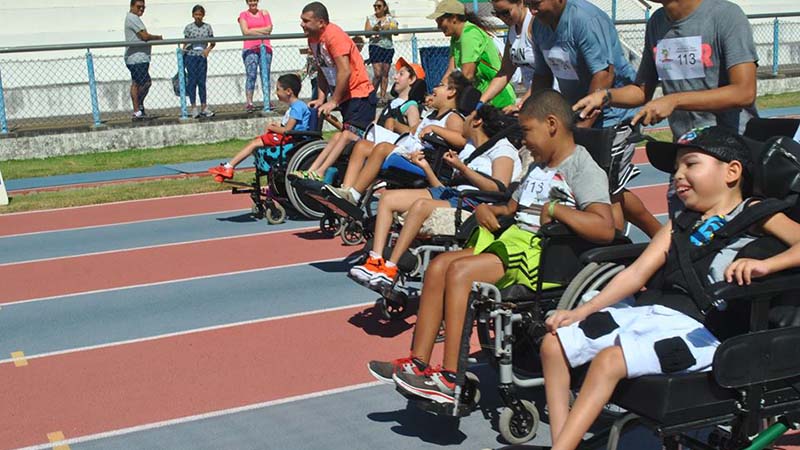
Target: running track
(180,323)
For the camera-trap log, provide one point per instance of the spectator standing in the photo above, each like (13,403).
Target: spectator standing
(137,56)
(255,22)
(196,61)
(381,47)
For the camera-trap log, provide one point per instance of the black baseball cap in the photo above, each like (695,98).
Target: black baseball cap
(716,141)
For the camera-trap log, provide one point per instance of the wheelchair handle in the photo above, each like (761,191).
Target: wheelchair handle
(333,121)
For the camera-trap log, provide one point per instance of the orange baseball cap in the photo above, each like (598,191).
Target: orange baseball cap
(418,70)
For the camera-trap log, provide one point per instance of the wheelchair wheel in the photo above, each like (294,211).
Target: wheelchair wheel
(302,159)
(330,225)
(393,308)
(257,211)
(519,427)
(471,393)
(353,233)
(275,213)
(593,277)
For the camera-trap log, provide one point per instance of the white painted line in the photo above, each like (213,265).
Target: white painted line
(208,415)
(123,202)
(161,283)
(186,332)
(89,227)
(170,244)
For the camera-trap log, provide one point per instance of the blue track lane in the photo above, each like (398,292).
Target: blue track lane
(54,244)
(93,319)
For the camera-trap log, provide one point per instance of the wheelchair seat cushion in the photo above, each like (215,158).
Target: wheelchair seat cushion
(265,157)
(397,161)
(441,222)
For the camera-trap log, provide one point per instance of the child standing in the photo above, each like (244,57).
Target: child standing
(565,184)
(296,118)
(196,60)
(667,331)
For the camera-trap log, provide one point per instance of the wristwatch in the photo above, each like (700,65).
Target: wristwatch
(607,97)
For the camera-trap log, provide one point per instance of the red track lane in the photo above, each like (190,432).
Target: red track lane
(150,265)
(118,387)
(640,156)
(108,214)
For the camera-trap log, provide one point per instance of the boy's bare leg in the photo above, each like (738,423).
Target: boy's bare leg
(372,167)
(638,214)
(417,214)
(555,370)
(320,159)
(605,371)
(336,151)
(394,200)
(431,304)
(461,274)
(360,153)
(246,151)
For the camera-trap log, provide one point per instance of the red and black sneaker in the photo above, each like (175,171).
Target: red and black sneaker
(434,384)
(384,370)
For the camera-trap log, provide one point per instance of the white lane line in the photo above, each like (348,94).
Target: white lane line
(122,202)
(89,227)
(169,244)
(208,415)
(161,283)
(186,332)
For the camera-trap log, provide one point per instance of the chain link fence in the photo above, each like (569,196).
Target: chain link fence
(79,85)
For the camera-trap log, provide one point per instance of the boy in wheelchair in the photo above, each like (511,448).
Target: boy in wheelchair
(297,118)
(446,122)
(671,329)
(401,115)
(564,184)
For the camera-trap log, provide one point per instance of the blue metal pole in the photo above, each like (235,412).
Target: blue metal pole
(647,14)
(265,87)
(776,39)
(182,83)
(414,49)
(613,10)
(3,121)
(475,7)
(93,88)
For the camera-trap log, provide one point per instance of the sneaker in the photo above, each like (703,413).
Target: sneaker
(304,175)
(207,113)
(384,370)
(384,276)
(221,170)
(342,193)
(138,115)
(249,107)
(366,271)
(432,385)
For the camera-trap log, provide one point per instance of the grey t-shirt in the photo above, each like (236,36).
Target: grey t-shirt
(192,31)
(577,182)
(694,54)
(135,54)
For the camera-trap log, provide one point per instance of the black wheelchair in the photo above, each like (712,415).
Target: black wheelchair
(755,376)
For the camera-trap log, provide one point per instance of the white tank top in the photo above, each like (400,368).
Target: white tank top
(522,49)
(413,142)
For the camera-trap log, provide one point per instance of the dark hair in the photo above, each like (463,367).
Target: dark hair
(494,121)
(319,10)
(384,3)
(545,103)
(133,2)
(471,17)
(292,82)
(199,8)
(460,83)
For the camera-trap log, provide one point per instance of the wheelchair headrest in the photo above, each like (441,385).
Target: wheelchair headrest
(598,141)
(468,100)
(763,129)
(418,91)
(775,167)
(314,122)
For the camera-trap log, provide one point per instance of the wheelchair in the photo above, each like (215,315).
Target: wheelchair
(601,144)
(754,374)
(296,152)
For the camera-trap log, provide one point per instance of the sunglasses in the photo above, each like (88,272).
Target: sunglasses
(377,6)
(501,13)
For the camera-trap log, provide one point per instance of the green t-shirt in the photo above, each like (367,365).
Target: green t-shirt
(475,46)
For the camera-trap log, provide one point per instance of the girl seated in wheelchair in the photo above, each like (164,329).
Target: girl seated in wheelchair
(297,118)
(489,170)
(446,122)
(563,184)
(402,115)
(671,329)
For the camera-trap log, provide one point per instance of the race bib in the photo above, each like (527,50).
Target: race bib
(560,64)
(536,188)
(680,58)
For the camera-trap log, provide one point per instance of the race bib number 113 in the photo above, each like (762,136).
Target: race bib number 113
(680,58)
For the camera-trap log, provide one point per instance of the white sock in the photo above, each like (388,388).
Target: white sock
(375,255)
(356,194)
(389,263)
(228,165)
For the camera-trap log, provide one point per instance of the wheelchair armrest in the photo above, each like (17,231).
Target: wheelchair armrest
(616,253)
(758,358)
(310,133)
(758,289)
(486,196)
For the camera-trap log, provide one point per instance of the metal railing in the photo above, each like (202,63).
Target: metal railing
(88,83)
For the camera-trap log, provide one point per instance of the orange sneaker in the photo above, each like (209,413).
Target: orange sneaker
(385,275)
(222,171)
(365,272)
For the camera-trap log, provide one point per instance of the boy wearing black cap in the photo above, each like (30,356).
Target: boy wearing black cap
(667,331)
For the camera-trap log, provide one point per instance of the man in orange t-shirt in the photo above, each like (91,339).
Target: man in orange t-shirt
(344,76)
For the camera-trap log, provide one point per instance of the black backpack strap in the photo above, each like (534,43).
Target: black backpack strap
(682,247)
(751,215)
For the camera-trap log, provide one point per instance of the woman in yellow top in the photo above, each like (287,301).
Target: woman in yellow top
(472,50)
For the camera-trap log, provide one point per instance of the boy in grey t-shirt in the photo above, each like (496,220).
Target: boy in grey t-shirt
(702,53)
(137,57)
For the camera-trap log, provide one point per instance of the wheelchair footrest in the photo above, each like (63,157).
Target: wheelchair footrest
(440,409)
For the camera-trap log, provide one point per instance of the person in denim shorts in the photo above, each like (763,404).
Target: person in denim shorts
(137,56)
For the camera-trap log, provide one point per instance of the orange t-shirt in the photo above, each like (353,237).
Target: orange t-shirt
(333,43)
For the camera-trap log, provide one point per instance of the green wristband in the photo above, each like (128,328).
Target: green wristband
(551,208)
